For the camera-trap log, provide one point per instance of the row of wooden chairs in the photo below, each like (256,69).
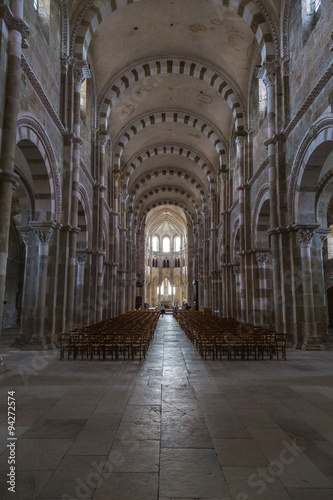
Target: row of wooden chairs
(127,336)
(220,338)
(112,346)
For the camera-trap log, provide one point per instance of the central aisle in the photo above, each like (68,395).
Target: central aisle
(175,453)
(173,427)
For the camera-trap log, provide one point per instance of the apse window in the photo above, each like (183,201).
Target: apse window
(155,244)
(166,244)
(83,100)
(310,15)
(177,244)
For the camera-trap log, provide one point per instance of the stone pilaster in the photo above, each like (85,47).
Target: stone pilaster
(17,32)
(44,232)
(310,338)
(269,81)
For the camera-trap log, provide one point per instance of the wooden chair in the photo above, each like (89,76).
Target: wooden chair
(280,344)
(65,345)
(95,346)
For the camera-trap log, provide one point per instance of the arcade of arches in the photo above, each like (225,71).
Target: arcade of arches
(187,142)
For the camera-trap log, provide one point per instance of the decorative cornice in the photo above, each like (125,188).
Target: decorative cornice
(64,28)
(30,74)
(309,101)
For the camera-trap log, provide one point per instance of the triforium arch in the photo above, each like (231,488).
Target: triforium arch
(252,13)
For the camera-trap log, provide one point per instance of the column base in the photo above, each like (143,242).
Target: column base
(35,344)
(313,345)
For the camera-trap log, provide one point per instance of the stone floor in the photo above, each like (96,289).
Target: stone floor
(170,428)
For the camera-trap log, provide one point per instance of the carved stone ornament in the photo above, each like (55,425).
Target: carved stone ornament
(269,74)
(81,72)
(14,23)
(25,232)
(304,237)
(82,258)
(323,234)
(43,231)
(236,269)
(262,258)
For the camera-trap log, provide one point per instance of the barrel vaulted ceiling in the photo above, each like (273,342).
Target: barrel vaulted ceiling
(172,79)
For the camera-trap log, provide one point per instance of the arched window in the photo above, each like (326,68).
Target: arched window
(177,244)
(310,15)
(83,100)
(167,263)
(166,244)
(155,244)
(43,9)
(262,103)
(164,263)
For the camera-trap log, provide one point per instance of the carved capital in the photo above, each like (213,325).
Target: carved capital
(81,72)
(262,258)
(323,233)
(43,231)
(304,237)
(268,74)
(103,139)
(25,232)
(82,258)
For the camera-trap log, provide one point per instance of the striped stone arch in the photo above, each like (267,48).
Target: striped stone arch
(169,117)
(47,187)
(235,230)
(139,212)
(94,12)
(167,172)
(310,157)
(177,66)
(165,190)
(168,149)
(262,196)
(84,200)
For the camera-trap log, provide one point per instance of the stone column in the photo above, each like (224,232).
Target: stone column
(81,263)
(264,306)
(28,293)
(44,232)
(321,302)
(240,145)
(237,292)
(269,81)
(310,338)
(17,31)
(81,72)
